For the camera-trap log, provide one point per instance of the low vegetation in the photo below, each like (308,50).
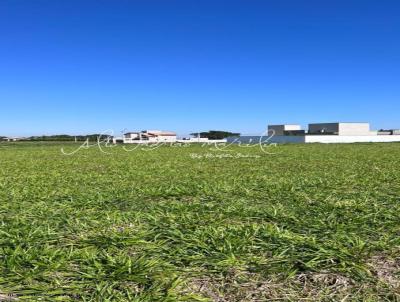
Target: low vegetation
(308,222)
(215,134)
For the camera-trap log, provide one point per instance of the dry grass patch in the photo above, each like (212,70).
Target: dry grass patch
(387,270)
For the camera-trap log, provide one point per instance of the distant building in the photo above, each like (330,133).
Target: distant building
(147,136)
(389,132)
(321,133)
(339,129)
(11,139)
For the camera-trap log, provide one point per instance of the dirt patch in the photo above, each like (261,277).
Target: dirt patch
(8,297)
(386,269)
(250,288)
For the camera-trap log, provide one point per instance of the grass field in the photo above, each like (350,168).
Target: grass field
(312,222)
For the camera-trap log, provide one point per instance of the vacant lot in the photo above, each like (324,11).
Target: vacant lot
(312,222)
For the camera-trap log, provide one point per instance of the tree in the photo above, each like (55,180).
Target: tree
(66,137)
(215,134)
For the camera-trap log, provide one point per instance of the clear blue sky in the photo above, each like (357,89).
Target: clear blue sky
(76,66)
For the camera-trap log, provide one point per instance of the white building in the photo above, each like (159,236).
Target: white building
(11,139)
(147,136)
(322,133)
(157,136)
(283,129)
(203,140)
(340,129)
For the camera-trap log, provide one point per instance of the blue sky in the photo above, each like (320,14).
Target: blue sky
(82,66)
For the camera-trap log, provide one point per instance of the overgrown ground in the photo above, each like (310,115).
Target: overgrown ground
(311,222)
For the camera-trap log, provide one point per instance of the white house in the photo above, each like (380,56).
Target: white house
(148,136)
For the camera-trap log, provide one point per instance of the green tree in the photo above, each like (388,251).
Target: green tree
(215,134)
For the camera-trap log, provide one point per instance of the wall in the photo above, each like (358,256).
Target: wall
(159,139)
(324,139)
(292,127)
(130,136)
(279,139)
(354,129)
(201,140)
(163,138)
(327,139)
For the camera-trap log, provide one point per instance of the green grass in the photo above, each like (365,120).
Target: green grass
(312,222)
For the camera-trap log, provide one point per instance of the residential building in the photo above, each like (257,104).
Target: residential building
(148,136)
